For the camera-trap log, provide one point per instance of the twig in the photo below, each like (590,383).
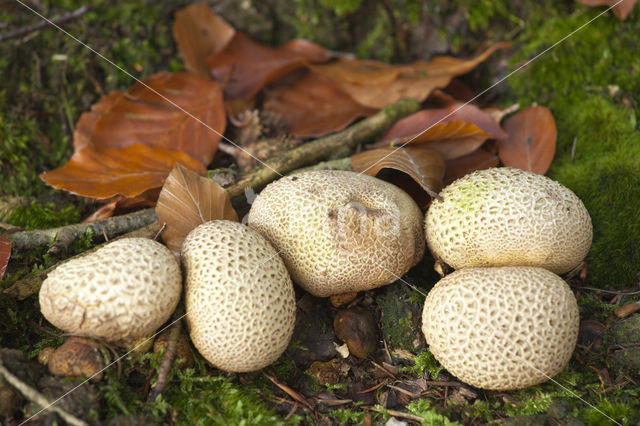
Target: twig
(69,16)
(31,284)
(395,413)
(36,397)
(63,237)
(169,355)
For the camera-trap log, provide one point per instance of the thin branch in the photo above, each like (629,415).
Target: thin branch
(169,355)
(69,16)
(395,413)
(36,397)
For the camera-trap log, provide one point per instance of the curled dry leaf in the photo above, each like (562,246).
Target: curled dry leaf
(200,33)
(141,116)
(424,165)
(621,8)
(531,144)
(244,66)
(313,106)
(5,254)
(454,131)
(103,173)
(377,85)
(188,200)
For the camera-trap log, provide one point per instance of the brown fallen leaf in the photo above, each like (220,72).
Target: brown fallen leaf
(140,116)
(479,159)
(622,9)
(244,66)
(358,329)
(531,144)
(188,200)
(200,33)
(5,254)
(104,173)
(377,85)
(77,357)
(454,131)
(424,165)
(313,106)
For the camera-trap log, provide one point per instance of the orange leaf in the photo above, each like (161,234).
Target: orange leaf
(5,254)
(622,9)
(244,66)
(479,159)
(377,85)
(188,200)
(424,165)
(102,173)
(531,144)
(199,33)
(140,116)
(313,106)
(453,132)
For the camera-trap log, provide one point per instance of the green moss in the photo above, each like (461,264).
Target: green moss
(425,361)
(423,408)
(576,81)
(42,216)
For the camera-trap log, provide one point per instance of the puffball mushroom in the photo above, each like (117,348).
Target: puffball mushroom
(120,293)
(340,231)
(501,328)
(239,298)
(508,217)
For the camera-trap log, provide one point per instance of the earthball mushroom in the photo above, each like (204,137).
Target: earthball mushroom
(501,328)
(120,293)
(340,231)
(508,217)
(239,298)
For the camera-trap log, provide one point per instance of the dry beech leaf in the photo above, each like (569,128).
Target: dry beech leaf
(462,130)
(531,144)
(479,159)
(621,10)
(188,200)
(313,106)
(5,254)
(103,173)
(140,116)
(200,33)
(424,165)
(245,66)
(377,85)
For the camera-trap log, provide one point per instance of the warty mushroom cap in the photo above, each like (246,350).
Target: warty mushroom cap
(340,231)
(120,293)
(239,298)
(508,217)
(501,328)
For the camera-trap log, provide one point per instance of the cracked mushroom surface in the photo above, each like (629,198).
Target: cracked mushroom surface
(340,231)
(508,217)
(501,328)
(239,297)
(120,293)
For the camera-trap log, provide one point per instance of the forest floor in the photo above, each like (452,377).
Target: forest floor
(591,83)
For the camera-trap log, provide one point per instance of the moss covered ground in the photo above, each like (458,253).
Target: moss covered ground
(591,82)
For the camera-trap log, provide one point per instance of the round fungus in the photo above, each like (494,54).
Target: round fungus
(508,217)
(501,328)
(122,292)
(239,298)
(340,231)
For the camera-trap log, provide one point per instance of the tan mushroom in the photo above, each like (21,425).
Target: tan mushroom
(501,328)
(120,293)
(239,298)
(340,231)
(508,217)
